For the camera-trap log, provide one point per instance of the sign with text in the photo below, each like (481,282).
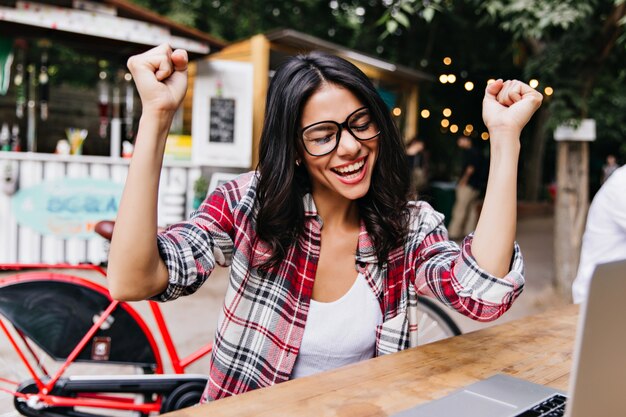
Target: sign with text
(67,208)
(222,120)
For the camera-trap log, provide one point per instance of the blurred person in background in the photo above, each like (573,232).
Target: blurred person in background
(468,189)
(609,168)
(417,160)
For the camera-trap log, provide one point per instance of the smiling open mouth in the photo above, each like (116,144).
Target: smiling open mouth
(350,171)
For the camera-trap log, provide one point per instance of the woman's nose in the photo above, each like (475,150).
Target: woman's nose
(348,144)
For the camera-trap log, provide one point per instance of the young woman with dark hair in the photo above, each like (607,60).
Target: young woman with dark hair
(326,252)
(283,181)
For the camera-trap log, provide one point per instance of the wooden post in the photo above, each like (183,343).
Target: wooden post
(260,58)
(572,201)
(571,211)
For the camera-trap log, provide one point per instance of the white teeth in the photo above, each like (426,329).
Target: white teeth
(351,167)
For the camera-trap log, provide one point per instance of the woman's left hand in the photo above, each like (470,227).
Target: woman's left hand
(509,105)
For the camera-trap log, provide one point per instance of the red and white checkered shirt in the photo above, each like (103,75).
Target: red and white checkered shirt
(262,321)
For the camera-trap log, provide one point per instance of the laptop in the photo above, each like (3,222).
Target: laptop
(598,376)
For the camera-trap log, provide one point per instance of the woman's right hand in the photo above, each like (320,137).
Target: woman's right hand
(160,76)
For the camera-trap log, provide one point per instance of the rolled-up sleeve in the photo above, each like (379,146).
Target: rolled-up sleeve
(451,274)
(191,249)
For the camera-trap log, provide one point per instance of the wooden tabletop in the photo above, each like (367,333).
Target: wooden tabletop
(537,348)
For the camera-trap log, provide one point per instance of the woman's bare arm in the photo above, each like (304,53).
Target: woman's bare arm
(507,107)
(136,271)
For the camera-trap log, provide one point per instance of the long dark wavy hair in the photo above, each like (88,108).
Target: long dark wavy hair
(282,184)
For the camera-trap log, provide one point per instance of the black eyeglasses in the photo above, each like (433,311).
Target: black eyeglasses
(322,138)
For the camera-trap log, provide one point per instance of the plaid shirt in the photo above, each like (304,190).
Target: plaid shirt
(262,321)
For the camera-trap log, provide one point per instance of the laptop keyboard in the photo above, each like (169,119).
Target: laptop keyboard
(552,407)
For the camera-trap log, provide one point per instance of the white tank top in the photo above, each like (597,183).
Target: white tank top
(340,332)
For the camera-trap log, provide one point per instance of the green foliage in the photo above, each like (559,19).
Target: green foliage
(399,11)
(536,18)
(200,187)
(239,19)
(570,50)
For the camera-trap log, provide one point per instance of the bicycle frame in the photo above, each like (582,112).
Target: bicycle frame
(46,384)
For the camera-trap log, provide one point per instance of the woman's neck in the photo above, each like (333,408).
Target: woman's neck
(336,211)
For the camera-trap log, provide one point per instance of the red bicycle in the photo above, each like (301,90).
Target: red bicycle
(72,319)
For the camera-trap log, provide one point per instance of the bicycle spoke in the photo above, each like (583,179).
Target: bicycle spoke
(433,323)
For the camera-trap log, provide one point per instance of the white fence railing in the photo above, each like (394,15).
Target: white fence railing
(21,170)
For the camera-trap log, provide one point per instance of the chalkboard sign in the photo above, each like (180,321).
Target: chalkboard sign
(222,120)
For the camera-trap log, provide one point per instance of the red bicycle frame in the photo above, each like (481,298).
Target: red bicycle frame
(87,399)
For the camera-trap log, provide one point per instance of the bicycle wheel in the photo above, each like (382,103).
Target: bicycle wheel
(48,314)
(433,322)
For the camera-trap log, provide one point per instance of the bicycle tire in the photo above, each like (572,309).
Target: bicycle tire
(433,322)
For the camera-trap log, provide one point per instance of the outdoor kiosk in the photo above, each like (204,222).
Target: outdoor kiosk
(398,85)
(49,202)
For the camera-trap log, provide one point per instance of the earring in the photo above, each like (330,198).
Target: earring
(298,162)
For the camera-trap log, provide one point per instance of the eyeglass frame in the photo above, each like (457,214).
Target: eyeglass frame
(341,127)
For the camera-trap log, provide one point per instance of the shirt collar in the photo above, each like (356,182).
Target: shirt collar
(309,205)
(365,250)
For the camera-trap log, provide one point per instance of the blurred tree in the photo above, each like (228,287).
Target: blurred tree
(577,47)
(574,47)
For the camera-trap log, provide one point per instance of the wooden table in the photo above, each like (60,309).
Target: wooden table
(538,348)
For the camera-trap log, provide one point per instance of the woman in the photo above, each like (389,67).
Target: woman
(321,234)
